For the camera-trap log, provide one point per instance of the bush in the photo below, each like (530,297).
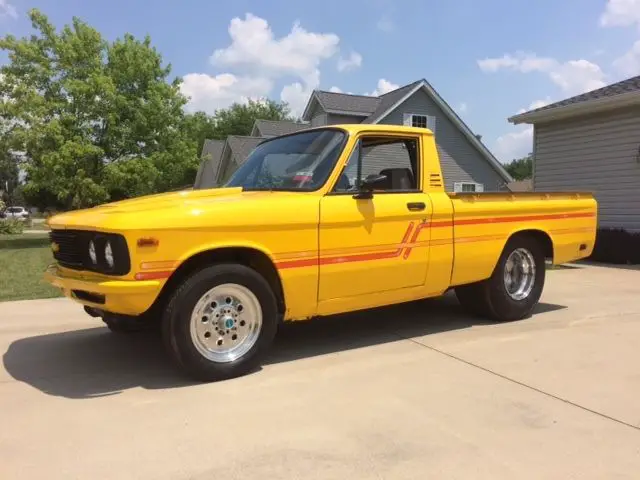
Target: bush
(617,246)
(11,226)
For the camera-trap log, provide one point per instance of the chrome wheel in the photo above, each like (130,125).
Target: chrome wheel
(519,274)
(226,323)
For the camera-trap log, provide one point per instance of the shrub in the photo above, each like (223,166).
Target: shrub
(11,226)
(617,246)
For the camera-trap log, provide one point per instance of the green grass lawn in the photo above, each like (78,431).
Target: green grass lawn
(23,259)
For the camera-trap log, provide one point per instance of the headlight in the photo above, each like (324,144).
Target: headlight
(92,252)
(108,255)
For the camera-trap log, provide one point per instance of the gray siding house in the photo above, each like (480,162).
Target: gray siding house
(467,164)
(591,142)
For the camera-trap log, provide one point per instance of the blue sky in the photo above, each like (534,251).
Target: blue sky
(488,59)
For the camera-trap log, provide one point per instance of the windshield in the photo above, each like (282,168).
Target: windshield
(302,161)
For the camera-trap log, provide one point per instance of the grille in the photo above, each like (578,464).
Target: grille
(73,251)
(72,248)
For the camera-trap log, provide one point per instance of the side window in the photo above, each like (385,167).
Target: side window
(394,158)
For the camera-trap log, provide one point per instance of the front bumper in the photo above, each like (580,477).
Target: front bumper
(127,297)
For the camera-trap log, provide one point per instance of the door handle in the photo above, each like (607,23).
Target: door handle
(416,206)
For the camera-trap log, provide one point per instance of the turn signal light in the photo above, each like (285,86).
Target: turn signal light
(148,242)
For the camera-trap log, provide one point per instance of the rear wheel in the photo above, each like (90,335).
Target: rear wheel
(220,322)
(515,286)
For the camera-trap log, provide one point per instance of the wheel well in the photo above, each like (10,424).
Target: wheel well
(541,237)
(249,257)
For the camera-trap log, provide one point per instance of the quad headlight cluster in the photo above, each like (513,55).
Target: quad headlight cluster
(107,254)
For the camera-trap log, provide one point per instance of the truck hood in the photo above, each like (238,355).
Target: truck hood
(223,206)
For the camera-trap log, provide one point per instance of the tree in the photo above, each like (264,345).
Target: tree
(96,120)
(238,119)
(521,169)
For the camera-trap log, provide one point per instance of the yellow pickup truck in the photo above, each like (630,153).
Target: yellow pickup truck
(323,221)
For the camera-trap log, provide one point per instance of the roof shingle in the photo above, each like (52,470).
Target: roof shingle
(346,102)
(273,128)
(625,86)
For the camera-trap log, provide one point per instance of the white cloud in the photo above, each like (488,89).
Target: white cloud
(463,108)
(297,96)
(352,62)
(385,24)
(536,104)
(255,48)
(335,89)
(209,93)
(514,145)
(573,77)
(255,59)
(384,86)
(629,63)
(621,13)
(7,10)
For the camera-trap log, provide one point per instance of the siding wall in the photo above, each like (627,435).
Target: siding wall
(598,154)
(460,160)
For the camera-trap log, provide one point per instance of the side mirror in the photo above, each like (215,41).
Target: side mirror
(369,184)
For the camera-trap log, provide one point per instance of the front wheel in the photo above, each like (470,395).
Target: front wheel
(220,322)
(515,286)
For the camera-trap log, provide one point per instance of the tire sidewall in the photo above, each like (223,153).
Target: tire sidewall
(502,303)
(178,321)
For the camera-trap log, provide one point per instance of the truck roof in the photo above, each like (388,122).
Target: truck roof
(368,127)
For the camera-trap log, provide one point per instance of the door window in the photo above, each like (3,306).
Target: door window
(394,158)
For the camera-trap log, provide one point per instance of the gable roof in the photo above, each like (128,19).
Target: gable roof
(212,150)
(341,104)
(211,156)
(242,146)
(273,128)
(388,100)
(623,93)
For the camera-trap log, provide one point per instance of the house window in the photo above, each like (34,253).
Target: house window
(468,187)
(420,121)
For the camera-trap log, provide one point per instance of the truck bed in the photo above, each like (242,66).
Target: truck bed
(482,222)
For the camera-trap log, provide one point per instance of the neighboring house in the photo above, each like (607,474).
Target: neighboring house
(467,164)
(591,142)
(211,153)
(235,152)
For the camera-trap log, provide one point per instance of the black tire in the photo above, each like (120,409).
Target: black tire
(176,322)
(490,298)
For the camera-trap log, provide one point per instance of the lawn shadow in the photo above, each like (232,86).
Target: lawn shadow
(24,241)
(93,362)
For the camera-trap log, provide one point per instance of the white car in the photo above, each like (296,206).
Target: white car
(19,213)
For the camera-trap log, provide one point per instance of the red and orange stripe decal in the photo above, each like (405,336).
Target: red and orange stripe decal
(163,270)
(409,242)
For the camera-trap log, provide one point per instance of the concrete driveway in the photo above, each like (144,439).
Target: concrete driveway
(411,392)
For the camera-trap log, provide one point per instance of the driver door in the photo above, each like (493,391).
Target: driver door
(376,244)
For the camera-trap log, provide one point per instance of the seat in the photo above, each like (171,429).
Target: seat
(399,178)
